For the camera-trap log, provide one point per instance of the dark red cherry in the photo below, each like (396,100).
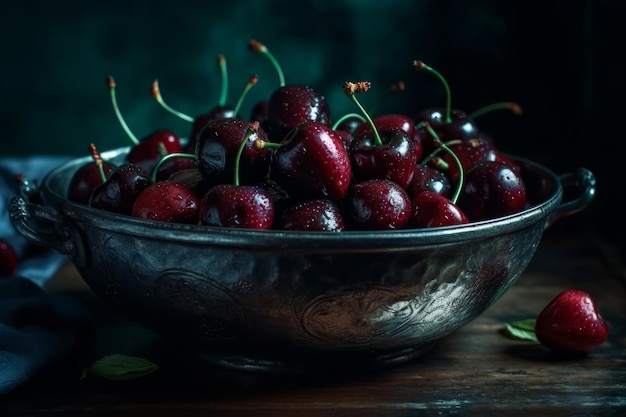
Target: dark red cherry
(88,177)
(217,147)
(8,259)
(394,159)
(312,161)
(192,178)
(427,178)
(430,209)
(318,215)
(119,192)
(237,206)
(385,152)
(492,189)
(288,105)
(570,324)
(167,201)
(388,121)
(378,204)
(147,153)
(458,128)
(291,105)
(468,152)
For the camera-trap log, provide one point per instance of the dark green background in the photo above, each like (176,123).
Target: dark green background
(561,61)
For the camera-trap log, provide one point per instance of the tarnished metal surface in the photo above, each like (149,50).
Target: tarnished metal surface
(279,302)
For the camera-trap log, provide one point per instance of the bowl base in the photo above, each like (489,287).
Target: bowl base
(320,364)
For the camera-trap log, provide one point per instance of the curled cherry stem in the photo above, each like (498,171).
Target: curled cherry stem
(155,171)
(421,66)
(257,46)
(156,94)
(347,116)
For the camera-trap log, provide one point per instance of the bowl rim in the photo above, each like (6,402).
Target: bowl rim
(250,238)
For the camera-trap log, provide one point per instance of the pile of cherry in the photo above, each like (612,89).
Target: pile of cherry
(289,166)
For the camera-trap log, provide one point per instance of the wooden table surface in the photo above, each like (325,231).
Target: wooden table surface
(476,371)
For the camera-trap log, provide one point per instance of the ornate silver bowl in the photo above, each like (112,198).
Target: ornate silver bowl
(291,302)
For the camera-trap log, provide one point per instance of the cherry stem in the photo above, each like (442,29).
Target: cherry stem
(347,116)
(504,105)
(155,171)
(394,88)
(111,84)
(438,163)
(221,63)
(161,149)
(438,150)
(420,66)
(97,159)
(252,128)
(445,147)
(260,144)
(362,86)
(251,83)
(257,46)
(156,94)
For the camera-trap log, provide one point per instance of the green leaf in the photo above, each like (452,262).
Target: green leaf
(117,367)
(522,330)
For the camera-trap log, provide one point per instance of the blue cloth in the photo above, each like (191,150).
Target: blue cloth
(36,328)
(36,265)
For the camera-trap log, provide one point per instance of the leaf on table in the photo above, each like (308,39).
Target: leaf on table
(117,367)
(522,330)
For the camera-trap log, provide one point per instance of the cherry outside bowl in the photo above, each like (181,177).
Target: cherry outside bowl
(282,302)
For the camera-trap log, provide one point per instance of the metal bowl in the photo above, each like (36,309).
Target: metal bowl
(291,302)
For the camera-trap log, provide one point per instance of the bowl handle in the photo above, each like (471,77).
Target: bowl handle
(584,182)
(36,223)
